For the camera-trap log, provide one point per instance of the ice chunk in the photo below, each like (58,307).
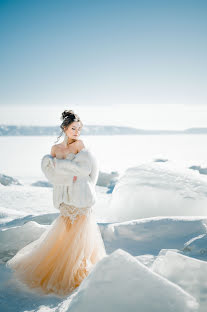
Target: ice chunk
(187,272)
(104,178)
(42,184)
(119,282)
(158,189)
(150,235)
(8,180)
(15,238)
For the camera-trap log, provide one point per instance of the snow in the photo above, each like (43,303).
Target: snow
(144,240)
(16,297)
(6,213)
(29,199)
(119,282)
(158,189)
(154,227)
(188,273)
(138,237)
(150,235)
(14,238)
(26,200)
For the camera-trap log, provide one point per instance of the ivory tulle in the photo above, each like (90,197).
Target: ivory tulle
(62,257)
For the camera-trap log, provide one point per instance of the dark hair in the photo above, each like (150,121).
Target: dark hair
(68,117)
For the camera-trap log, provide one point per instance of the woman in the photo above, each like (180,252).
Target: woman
(64,254)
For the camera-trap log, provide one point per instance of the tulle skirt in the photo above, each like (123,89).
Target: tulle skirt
(62,257)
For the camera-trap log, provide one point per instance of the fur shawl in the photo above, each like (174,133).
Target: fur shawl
(60,173)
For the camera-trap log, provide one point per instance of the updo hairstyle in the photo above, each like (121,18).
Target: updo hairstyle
(68,117)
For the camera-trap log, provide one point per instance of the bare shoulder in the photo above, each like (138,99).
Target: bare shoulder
(80,145)
(54,150)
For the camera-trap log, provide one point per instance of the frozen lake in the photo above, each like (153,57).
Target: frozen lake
(21,155)
(162,237)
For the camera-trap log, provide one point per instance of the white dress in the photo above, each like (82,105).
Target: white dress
(64,254)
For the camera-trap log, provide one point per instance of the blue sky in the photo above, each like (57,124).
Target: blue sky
(90,56)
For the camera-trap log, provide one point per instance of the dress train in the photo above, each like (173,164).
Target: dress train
(64,254)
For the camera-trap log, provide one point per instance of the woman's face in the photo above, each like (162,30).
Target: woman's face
(73,130)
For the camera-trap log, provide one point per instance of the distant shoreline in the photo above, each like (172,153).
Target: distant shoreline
(12,130)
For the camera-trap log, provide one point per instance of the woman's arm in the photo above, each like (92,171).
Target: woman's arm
(47,167)
(53,176)
(64,166)
(53,151)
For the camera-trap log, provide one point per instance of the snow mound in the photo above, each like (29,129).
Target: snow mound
(27,199)
(42,184)
(119,282)
(188,273)
(160,160)
(7,180)
(13,239)
(138,237)
(200,169)
(7,214)
(104,178)
(150,235)
(47,218)
(16,297)
(158,189)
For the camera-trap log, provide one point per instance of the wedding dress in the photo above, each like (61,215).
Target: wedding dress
(63,255)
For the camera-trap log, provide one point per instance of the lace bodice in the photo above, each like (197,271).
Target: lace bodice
(72,212)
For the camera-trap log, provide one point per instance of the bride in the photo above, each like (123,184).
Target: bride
(66,252)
